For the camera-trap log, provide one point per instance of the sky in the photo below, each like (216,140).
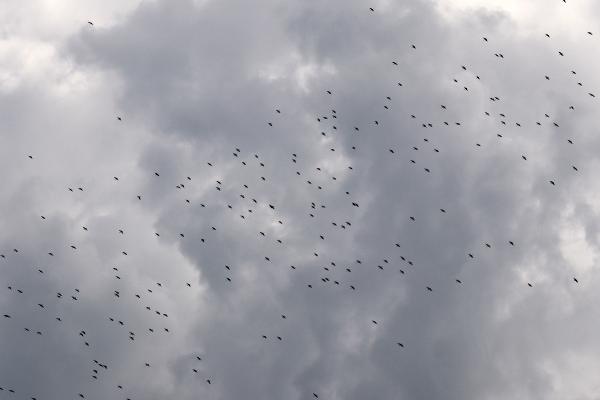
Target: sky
(299,200)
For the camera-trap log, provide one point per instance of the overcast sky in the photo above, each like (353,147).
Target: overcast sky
(403,201)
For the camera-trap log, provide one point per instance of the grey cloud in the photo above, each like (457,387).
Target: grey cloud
(191,84)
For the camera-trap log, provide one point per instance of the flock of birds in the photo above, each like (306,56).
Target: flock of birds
(251,204)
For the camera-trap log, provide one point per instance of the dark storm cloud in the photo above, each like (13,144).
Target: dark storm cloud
(194,82)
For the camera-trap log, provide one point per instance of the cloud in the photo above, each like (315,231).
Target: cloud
(259,220)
